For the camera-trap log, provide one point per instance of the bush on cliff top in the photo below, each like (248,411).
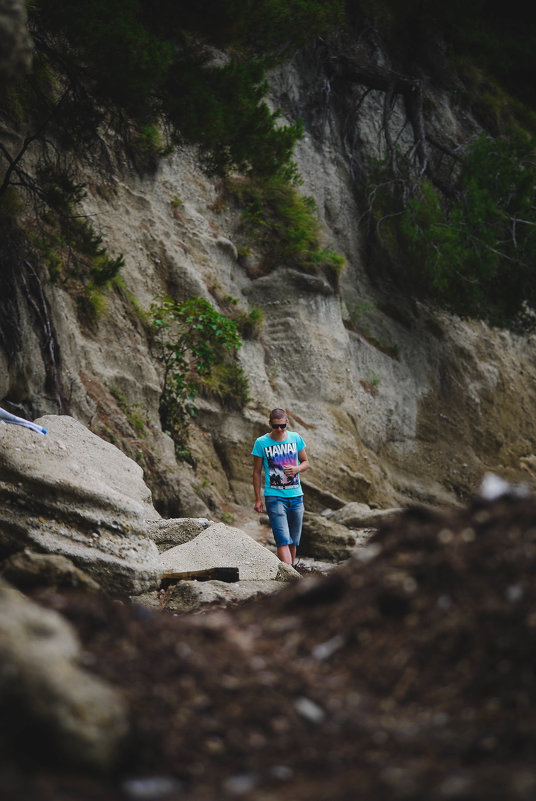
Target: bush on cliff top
(154,60)
(472,252)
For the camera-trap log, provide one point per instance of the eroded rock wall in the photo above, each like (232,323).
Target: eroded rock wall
(415,407)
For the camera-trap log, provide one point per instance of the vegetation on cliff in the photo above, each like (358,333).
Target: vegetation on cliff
(163,73)
(471,250)
(150,71)
(129,77)
(196,345)
(456,218)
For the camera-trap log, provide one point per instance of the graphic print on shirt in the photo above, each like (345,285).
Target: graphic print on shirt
(280,456)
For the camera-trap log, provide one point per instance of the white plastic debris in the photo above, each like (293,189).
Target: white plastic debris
(309,710)
(494,487)
(326,649)
(153,788)
(7,417)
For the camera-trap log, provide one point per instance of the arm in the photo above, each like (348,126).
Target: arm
(303,464)
(257,466)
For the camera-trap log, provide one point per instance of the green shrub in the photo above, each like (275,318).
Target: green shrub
(474,252)
(92,303)
(228,383)
(147,63)
(194,342)
(283,224)
(68,242)
(249,323)
(133,412)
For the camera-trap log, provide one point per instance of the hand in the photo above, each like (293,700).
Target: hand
(291,469)
(258,506)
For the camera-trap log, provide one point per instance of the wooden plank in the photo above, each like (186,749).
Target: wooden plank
(229,574)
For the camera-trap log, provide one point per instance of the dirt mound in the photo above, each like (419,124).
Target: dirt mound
(406,675)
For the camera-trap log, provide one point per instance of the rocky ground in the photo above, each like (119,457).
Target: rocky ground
(406,674)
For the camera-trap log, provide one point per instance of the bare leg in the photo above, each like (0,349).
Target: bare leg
(284,554)
(292,549)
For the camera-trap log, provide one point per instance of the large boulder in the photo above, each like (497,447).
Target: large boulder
(27,570)
(71,493)
(192,596)
(223,546)
(324,539)
(47,700)
(360,515)
(176,531)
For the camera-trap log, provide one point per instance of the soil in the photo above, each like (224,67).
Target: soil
(406,674)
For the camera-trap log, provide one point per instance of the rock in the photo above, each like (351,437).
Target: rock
(148,600)
(317,498)
(227,247)
(287,573)
(168,533)
(191,596)
(223,546)
(27,569)
(43,691)
(325,539)
(71,493)
(360,515)
(309,283)
(215,545)
(191,505)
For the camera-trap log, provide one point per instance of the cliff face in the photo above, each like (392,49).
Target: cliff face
(397,402)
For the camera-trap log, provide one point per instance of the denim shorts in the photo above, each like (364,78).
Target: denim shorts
(286,515)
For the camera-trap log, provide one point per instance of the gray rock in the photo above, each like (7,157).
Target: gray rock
(28,569)
(325,539)
(71,493)
(191,596)
(81,719)
(287,573)
(360,515)
(148,600)
(227,247)
(168,533)
(223,546)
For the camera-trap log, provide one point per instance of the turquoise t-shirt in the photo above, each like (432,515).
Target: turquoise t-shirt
(275,456)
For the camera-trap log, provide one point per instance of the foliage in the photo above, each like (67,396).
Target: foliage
(69,245)
(68,241)
(148,70)
(499,37)
(280,25)
(227,383)
(222,110)
(193,340)
(284,226)
(474,253)
(249,323)
(152,62)
(371,384)
(360,312)
(133,412)
(258,26)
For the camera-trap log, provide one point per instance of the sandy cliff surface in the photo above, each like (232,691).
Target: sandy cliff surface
(396,402)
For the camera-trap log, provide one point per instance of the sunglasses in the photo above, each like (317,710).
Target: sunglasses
(279,425)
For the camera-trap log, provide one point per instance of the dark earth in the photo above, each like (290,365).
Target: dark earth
(407,674)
